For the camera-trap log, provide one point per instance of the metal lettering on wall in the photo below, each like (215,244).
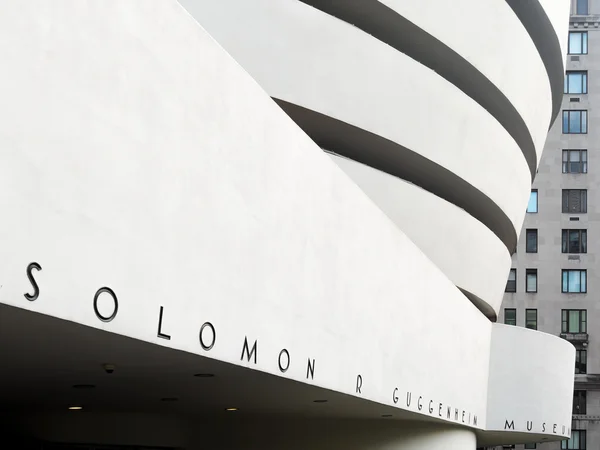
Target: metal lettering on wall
(207,337)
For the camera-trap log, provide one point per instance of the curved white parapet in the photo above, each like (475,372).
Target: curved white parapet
(326,65)
(531,384)
(468,253)
(498,45)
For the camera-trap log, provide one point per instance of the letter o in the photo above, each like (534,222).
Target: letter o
(110,292)
(281,368)
(214,336)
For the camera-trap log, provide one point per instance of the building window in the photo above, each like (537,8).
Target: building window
(579,402)
(576,82)
(574,241)
(574,201)
(574,281)
(532,206)
(574,321)
(531,280)
(575,122)
(580,361)
(531,319)
(574,161)
(511,284)
(577,441)
(510,316)
(531,240)
(578,43)
(581,7)
(530,446)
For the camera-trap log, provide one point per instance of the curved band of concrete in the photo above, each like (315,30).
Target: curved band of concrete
(470,255)
(545,35)
(411,27)
(298,68)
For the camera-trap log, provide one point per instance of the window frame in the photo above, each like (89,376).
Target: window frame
(584,284)
(582,203)
(528,320)
(532,232)
(584,82)
(530,446)
(565,321)
(584,43)
(513,310)
(580,399)
(581,354)
(585,6)
(511,271)
(567,164)
(568,113)
(564,444)
(566,240)
(527,273)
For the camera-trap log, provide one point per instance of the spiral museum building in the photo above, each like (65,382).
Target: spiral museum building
(258,224)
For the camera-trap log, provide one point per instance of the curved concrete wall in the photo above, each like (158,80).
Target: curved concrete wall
(516,354)
(326,65)
(138,155)
(499,54)
(484,260)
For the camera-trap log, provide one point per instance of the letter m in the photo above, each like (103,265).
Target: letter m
(246,351)
(509,426)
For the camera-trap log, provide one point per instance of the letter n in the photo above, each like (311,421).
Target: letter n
(310,369)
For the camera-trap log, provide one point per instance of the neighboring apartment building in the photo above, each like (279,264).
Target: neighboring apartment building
(555,280)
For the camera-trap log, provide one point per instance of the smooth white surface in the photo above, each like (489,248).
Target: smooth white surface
(326,65)
(495,41)
(462,247)
(137,154)
(537,366)
(557,12)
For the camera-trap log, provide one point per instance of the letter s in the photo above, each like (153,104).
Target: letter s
(36,289)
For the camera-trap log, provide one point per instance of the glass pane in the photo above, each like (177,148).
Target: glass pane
(574,156)
(583,241)
(583,121)
(575,83)
(575,122)
(565,281)
(584,155)
(574,241)
(574,281)
(573,321)
(584,40)
(532,206)
(512,275)
(584,79)
(582,7)
(565,121)
(575,41)
(582,287)
(531,282)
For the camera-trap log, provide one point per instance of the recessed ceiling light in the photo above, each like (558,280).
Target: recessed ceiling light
(320,401)
(169,399)
(231,409)
(84,386)
(386,415)
(75,408)
(204,375)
